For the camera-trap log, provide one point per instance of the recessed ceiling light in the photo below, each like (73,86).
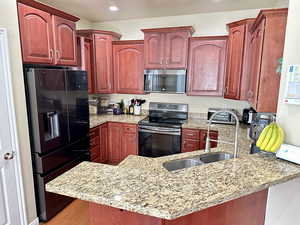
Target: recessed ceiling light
(113,8)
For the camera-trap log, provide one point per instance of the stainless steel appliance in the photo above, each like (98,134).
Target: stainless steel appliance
(160,132)
(248,115)
(223,117)
(259,122)
(58,112)
(166,81)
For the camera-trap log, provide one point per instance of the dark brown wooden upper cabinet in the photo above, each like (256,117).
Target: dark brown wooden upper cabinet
(128,58)
(237,80)
(103,63)
(206,66)
(102,79)
(65,41)
(84,55)
(176,49)
(167,48)
(47,34)
(154,51)
(267,43)
(36,35)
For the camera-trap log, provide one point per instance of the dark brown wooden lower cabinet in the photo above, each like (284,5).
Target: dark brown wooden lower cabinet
(247,210)
(194,139)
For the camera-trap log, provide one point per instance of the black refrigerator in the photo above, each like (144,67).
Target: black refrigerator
(58,113)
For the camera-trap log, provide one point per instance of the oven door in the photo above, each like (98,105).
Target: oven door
(159,141)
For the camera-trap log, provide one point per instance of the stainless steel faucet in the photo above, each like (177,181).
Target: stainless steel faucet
(235,143)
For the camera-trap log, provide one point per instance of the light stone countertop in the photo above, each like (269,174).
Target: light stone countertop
(144,186)
(96,120)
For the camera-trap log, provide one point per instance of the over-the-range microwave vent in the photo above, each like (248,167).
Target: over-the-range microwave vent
(165,81)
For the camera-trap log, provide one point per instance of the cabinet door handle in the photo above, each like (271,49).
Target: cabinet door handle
(57,54)
(51,54)
(167,61)
(226,90)
(161,61)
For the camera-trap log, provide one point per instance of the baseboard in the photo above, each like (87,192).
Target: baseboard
(35,222)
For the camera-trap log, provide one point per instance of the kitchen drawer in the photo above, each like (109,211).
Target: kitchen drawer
(130,128)
(190,145)
(95,153)
(191,134)
(94,141)
(94,132)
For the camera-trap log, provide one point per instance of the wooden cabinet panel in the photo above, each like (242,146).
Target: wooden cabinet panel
(191,134)
(94,144)
(273,45)
(114,142)
(194,139)
(122,141)
(206,66)
(235,62)
(100,214)
(176,47)
(87,45)
(84,59)
(36,35)
(266,48)
(103,63)
(247,210)
(167,48)
(47,38)
(128,68)
(65,41)
(154,50)
(213,135)
(189,145)
(256,45)
(129,141)
(103,143)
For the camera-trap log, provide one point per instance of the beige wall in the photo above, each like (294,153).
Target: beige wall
(83,24)
(289,115)
(204,23)
(196,104)
(8,20)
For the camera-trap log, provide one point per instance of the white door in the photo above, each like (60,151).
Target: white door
(11,211)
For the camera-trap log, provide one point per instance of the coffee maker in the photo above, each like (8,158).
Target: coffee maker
(259,122)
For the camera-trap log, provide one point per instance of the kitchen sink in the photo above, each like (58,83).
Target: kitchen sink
(196,160)
(182,163)
(215,157)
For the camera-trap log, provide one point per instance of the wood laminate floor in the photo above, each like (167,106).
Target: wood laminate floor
(76,213)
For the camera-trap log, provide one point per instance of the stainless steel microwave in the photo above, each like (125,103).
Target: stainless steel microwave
(165,81)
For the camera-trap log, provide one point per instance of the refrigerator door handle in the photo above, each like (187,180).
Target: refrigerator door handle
(53,124)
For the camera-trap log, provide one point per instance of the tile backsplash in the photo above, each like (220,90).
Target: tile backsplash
(197,104)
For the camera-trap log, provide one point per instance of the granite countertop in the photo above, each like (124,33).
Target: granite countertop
(96,120)
(144,186)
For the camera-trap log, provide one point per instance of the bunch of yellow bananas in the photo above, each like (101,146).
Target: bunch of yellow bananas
(271,138)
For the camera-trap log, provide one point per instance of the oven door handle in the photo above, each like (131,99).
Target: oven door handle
(176,133)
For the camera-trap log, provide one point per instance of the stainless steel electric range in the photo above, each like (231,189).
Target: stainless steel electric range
(160,132)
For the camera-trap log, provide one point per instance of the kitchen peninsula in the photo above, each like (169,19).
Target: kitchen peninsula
(141,191)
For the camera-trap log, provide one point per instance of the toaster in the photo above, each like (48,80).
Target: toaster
(223,117)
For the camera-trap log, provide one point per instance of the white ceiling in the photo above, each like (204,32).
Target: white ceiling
(97,10)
